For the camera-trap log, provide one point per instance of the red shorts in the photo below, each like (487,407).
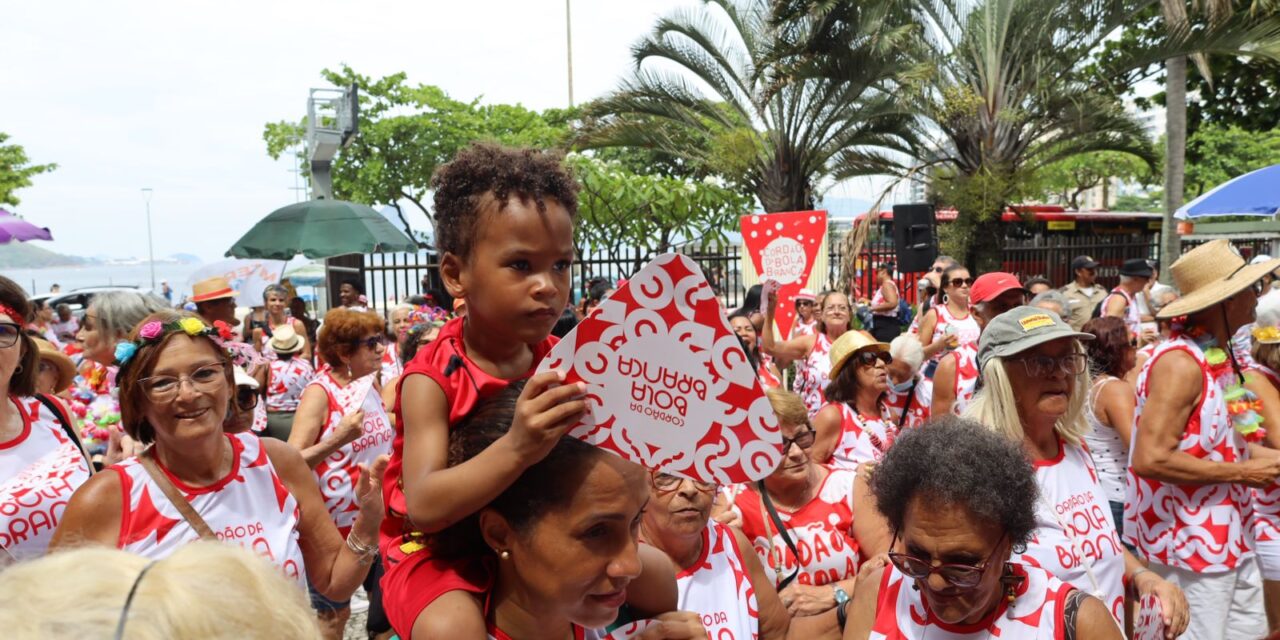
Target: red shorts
(412,582)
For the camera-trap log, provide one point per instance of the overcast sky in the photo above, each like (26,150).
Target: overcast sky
(173,96)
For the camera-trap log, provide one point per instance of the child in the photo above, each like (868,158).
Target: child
(504,228)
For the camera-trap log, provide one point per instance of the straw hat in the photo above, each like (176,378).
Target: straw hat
(1209,274)
(66,370)
(212,289)
(284,339)
(849,343)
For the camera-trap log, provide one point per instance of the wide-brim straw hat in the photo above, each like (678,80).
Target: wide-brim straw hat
(285,339)
(849,343)
(1209,274)
(213,288)
(66,369)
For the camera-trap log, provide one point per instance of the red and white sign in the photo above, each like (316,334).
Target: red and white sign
(784,247)
(668,384)
(1149,625)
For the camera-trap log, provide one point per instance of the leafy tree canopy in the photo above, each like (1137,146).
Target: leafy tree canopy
(16,170)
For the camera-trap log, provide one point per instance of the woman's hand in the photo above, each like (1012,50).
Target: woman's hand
(120,447)
(806,600)
(349,428)
(369,490)
(674,625)
(729,518)
(1173,603)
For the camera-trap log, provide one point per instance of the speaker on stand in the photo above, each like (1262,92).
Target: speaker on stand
(914,239)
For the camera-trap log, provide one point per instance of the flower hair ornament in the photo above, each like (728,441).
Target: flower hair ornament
(154,331)
(1266,335)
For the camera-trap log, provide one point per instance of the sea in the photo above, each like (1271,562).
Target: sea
(37,281)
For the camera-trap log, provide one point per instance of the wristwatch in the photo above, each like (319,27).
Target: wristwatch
(842,602)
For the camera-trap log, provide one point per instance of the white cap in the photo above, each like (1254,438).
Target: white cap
(1260,258)
(243,379)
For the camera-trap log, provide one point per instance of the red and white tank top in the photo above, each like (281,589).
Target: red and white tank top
(337,474)
(39,470)
(878,299)
(1199,528)
(800,328)
(814,375)
(288,379)
(1266,501)
(966,382)
(1075,539)
(1132,318)
(822,531)
(921,399)
(718,588)
(903,614)
(578,633)
(965,328)
(391,367)
(250,507)
(863,438)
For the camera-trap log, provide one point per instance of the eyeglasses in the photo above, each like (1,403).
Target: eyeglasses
(206,379)
(804,440)
(868,358)
(962,576)
(372,342)
(246,398)
(1041,366)
(961,282)
(837,308)
(9,333)
(666,483)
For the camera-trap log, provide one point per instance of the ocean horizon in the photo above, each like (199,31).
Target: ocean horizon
(37,281)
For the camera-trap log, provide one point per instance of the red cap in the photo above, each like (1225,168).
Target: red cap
(989,286)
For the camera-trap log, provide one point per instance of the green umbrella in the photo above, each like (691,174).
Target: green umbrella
(320,229)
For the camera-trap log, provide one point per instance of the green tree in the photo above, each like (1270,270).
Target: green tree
(1068,179)
(1225,152)
(16,170)
(705,90)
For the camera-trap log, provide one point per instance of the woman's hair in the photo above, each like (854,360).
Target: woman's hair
(134,402)
(1106,351)
(941,297)
(598,290)
(202,590)
(907,348)
(412,339)
(887,266)
(23,382)
(277,290)
(821,324)
(955,461)
(750,303)
(341,330)
(403,306)
(788,406)
(546,485)
(118,312)
(995,405)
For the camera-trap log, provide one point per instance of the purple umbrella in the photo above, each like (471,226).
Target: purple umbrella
(14,228)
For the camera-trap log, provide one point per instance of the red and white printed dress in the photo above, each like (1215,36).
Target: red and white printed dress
(39,470)
(863,438)
(822,531)
(719,589)
(1200,528)
(288,379)
(337,474)
(1075,540)
(918,412)
(902,613)
(250,507)
(966,382)
(799,328)
(813,374)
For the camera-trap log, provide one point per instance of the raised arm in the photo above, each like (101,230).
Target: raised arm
(787,351)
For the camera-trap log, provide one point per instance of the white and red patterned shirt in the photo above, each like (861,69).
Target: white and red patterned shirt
(391,367)
(39,470)
(800,328)
(821,530)
(813,374)
(337,474)
(1132,318)
(718,588)
(921,398)
(966,379)
(1200,528)
(903,614)
(863,438)
(288,379)
(250,507)
(1266,502)
(1075,539)
(966,329)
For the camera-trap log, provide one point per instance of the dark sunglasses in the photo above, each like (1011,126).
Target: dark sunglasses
(961,576)
(868,358)
(371,342)
(804,303)
(246,398)
(961,282)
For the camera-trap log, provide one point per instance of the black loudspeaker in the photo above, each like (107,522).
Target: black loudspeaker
(914,239)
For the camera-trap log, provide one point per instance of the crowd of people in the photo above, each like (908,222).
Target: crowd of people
(1004,460)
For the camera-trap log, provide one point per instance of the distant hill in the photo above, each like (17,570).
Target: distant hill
(24,255)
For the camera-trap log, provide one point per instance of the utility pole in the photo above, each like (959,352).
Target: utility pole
(568,41)
(151,250)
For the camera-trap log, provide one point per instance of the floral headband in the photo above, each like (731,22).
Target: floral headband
(425,314)
(154,331)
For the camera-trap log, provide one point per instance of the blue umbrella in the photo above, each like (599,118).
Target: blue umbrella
(1252,194)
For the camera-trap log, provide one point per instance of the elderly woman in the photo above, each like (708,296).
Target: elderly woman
(804,534)
(41,463)
(1035,376)
(810,352)
(960,502)
(341,426)
(398,322)
(275,299)
(908,397)
(856,426)
(56,371)
(1109,407)
(198,481)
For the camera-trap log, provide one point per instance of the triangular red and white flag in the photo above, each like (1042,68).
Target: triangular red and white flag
(784,247)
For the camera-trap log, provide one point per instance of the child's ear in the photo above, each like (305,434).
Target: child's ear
(451,272)
(496,531)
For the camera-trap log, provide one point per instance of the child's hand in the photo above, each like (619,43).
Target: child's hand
(544,412)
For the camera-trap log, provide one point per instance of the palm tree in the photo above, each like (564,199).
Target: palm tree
(704,90)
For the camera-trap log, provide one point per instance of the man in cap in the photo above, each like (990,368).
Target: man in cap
(1122,302)
(1188,500)
(956,378)
(1083,293)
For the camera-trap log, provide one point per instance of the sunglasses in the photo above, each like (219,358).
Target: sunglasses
(961,576)
(246,398)
(666,483)
(804,440)
(961,282)
(868,358)
(372,342)
(804,303)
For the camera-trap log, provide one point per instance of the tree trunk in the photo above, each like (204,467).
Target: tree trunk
(1174,162)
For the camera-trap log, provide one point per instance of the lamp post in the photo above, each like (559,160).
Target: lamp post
(151,252)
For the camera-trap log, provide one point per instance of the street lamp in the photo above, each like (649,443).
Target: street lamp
(151,252)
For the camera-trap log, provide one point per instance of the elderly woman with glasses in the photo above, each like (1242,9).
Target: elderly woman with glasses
(196,480)
(856,426)
(1035,381)
(960,502)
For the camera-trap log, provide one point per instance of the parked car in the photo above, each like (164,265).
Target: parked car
(79,299)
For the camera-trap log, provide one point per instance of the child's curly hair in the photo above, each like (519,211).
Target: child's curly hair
(482,169)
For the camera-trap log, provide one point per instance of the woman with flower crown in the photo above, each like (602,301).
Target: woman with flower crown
(197,481)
